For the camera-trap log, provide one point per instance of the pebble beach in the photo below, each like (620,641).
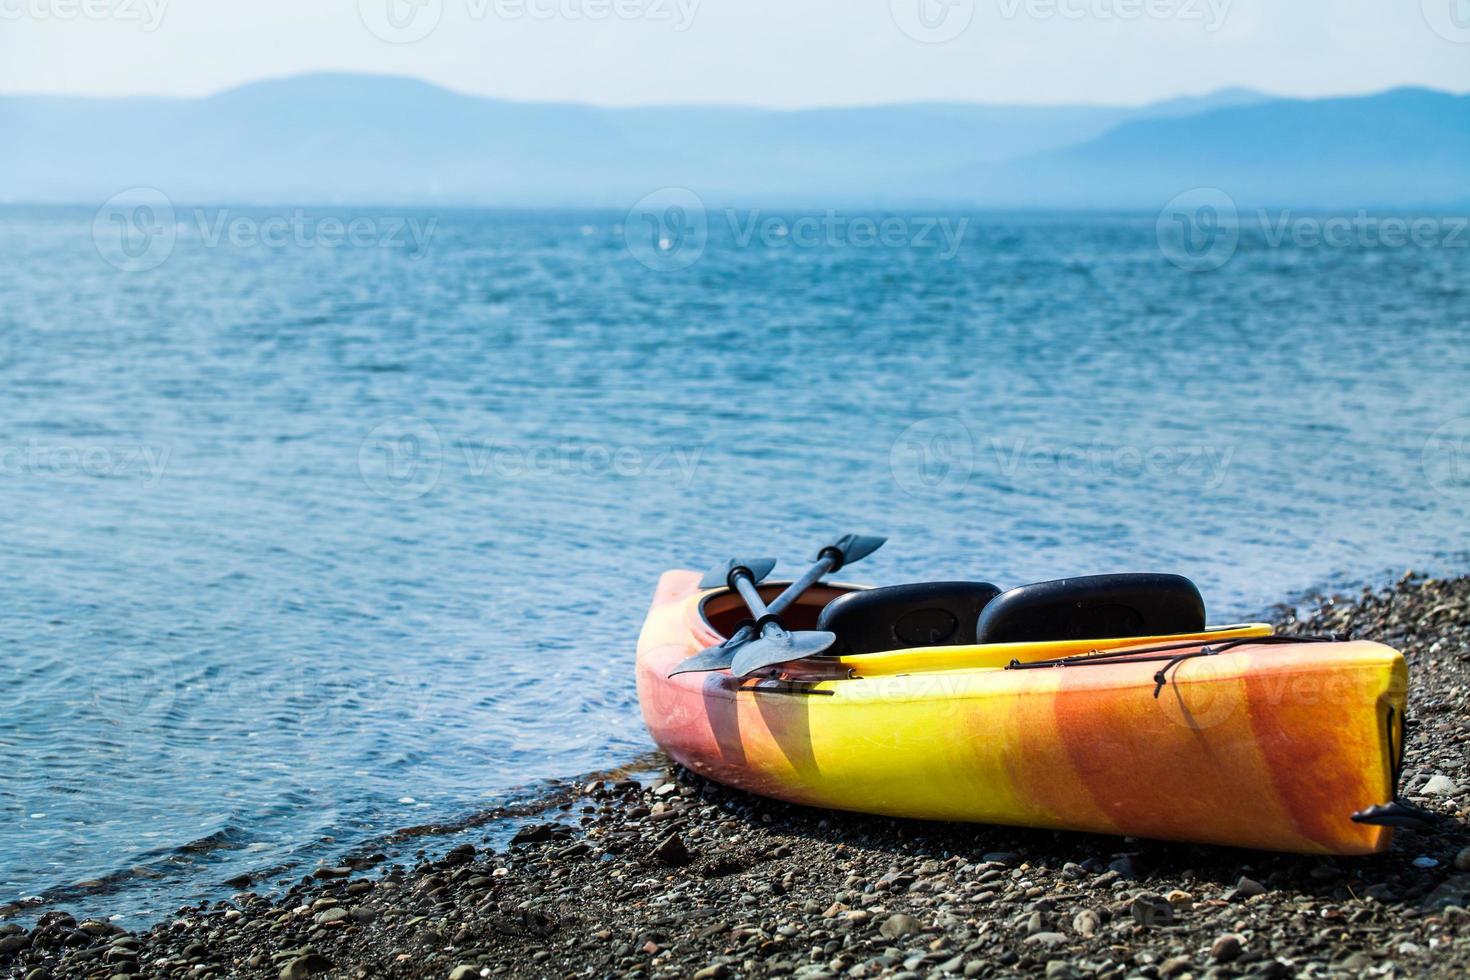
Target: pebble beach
(669,875)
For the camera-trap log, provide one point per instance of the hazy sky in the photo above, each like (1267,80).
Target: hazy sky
(764,52)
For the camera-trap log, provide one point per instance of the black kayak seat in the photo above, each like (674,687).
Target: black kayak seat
(1097,607)
(900,617)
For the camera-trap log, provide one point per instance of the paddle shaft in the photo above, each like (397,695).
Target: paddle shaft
(758,609)
(782,602)
(721,657)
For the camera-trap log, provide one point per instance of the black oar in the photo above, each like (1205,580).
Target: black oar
(851,548)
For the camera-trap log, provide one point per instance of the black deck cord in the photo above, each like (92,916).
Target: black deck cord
(1165,653)
(1398,812)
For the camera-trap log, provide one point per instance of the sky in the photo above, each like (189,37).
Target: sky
(776,53)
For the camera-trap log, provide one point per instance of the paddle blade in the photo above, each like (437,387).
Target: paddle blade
(781,648)
(706,661)
(719,576)
(856,547)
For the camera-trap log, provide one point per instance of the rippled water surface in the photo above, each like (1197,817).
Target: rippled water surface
(305,544)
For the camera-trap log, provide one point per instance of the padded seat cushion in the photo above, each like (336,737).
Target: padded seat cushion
(904,616)
(1094,607)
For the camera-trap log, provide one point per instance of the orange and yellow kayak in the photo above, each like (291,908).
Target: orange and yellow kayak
(1270,744)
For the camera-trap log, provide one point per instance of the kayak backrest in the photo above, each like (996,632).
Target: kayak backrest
(1093,607)
(904,616)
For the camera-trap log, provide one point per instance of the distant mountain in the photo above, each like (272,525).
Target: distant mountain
(1407,147)
(380,140)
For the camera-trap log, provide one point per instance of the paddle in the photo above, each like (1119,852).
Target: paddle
(848,549)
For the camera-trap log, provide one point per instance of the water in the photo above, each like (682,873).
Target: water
(305,544)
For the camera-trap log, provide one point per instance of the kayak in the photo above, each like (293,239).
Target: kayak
(1226,735)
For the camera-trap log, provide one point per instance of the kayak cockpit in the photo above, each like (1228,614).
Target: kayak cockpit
(967,614)
(724,611)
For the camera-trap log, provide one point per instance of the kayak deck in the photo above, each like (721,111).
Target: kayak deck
(1269,746)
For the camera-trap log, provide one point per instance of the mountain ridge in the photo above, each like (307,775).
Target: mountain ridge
(336,137)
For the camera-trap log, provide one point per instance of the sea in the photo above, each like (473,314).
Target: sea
(324,523)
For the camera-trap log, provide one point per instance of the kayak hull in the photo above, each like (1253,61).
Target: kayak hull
(1271,747)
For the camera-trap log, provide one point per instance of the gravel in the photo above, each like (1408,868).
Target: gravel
(686,878)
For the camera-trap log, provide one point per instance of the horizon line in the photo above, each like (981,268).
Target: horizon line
(732,106)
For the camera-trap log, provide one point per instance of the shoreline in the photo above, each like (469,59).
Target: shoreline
(681,877)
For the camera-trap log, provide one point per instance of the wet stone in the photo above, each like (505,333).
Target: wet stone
(306,966)
(672,852)
(1152,911)
(1227,948)
(1249,888)
(898,926)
